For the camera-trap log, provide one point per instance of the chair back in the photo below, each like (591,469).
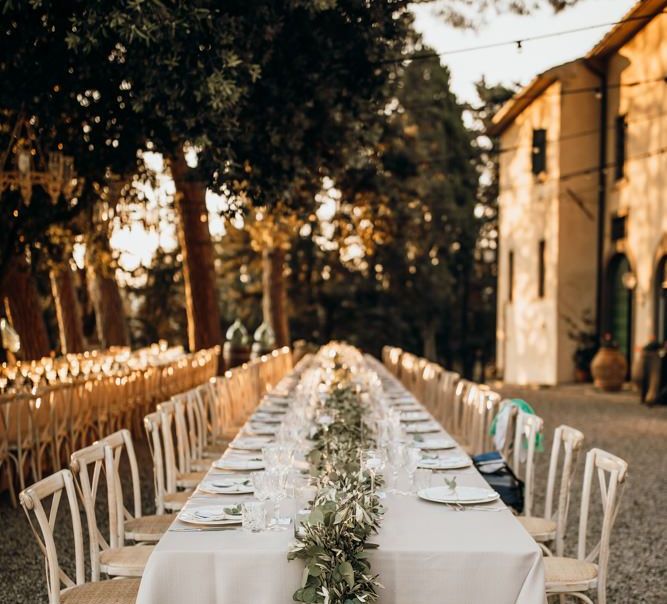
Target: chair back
(115,445)
(569,441)
(88,467)
(153,428)
(527,428)
(611,473)
(32,501)
(444,408)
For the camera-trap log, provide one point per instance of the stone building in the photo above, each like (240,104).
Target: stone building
(583,203)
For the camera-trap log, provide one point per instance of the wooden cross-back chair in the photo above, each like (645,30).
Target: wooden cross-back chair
(446,388)
(177,445)
(167,496)
(107,555)
(588,571)
(131,524)
(526,431)
(61,588)
(550,528)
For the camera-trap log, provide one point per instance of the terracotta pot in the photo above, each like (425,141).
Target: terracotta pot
(609,369)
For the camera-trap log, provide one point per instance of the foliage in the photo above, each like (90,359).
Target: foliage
(346,511)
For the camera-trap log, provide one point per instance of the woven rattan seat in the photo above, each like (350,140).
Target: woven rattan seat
(175,501)
(117,591)
(148,528)
(569,574)
(540,529)
(190,479)
(125,561)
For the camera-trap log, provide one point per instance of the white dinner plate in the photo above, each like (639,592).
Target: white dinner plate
(422,428)
(415,416)
(460,495)
(250,443)
(261,429)
(214,515)
(445,463)
(273,409)
(266,418)
(227,463)
(433,444)
(226,485)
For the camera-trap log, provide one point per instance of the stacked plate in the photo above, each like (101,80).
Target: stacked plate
(239,464)
(459,495)
(434,443)
(414,416)
(422,428)
(448,462)
(250,443)
(212,515)
(226,485)
(261,429)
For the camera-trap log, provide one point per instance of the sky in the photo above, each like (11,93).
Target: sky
(507,64)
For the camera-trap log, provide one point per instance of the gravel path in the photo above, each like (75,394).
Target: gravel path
(638,567)
(620,425)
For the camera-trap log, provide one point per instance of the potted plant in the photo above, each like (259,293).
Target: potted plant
(609,366)
(583,334)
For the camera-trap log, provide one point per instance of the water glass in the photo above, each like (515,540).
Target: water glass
(423,479)
(253,516)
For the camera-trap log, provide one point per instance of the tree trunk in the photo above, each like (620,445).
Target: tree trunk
(274,294)
(201,294)
(108,304)
(430,350)
(68,312)
(23,309)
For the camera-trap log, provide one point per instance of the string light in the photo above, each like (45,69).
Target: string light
(519,43)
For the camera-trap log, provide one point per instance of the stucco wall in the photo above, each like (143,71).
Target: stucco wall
(642,193)
(578,195)
(528,212)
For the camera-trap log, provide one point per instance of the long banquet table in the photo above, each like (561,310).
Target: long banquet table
(428,554)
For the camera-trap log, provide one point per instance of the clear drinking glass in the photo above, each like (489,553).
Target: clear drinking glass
(423,479)
(253,516)
(411,458)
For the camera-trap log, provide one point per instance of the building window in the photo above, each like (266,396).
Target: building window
(541,267)
(621,130)
(510,276)
(539,151)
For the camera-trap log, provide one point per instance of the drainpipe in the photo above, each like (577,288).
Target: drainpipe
(600,70)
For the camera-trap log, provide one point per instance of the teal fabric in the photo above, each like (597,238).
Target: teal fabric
(522,405)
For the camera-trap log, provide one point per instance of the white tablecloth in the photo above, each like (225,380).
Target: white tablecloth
(428,554)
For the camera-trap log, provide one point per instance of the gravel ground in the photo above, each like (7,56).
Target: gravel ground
(638,434)
(617,423)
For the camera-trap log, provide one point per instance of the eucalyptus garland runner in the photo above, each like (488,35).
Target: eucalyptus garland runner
(346,511)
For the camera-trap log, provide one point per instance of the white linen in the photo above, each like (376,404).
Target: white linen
(428,554)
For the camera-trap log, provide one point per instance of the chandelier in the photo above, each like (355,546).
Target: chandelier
(22,168)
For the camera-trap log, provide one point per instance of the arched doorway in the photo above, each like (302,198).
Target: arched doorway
(661,300)
(621,304)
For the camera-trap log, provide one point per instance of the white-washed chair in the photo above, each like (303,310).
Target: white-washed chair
(177,445)
(62,589)
(167,496)
(588,571)
(550,528)
(5,461)
(526,432)
(107,555)
(131,525)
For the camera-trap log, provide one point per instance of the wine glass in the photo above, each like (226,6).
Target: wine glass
(277,479)
(412,456)
(261,489)
(372,462)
